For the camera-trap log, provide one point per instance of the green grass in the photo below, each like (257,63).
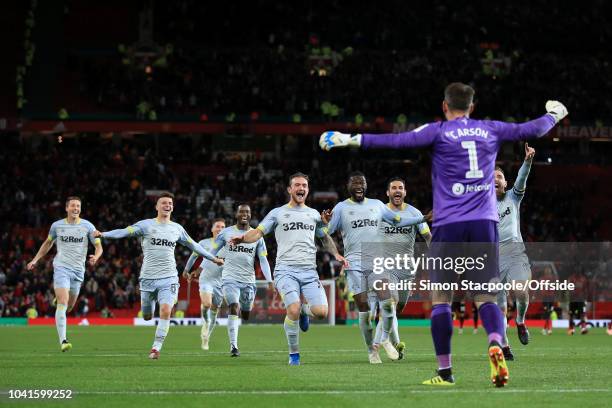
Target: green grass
(108,367)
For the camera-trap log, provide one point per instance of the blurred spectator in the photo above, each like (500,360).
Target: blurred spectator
(295,56)
(31,312)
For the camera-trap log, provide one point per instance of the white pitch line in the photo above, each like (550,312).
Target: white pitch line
(175,354)
(259,352)
(484,390)
(231,392)
(515,391)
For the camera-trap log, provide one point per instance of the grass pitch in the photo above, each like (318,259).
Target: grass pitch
(108,367)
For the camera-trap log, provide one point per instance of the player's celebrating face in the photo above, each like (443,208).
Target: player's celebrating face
(396,192)
(357,187)
(164,206)
(217,227)
(500,182)
(73,208)
(298,189)
(243,216)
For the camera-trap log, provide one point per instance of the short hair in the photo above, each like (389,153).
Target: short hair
(165,194)
(216,220)
(459,96)
(395,178)
(70,198)
(355,173)
(243,205)
(497,168)
(296,175)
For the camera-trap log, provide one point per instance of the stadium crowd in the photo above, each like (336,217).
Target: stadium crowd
(221,61)
(114,179)
(305,60)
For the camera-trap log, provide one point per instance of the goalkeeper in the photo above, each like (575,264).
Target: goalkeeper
(463,163)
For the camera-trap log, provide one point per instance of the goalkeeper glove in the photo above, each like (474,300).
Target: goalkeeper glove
(331,139)
(556,109)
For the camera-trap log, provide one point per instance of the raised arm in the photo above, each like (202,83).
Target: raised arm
(512,132)
(419,137)
(521,179)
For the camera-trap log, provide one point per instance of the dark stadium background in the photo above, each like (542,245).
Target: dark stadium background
(220,101)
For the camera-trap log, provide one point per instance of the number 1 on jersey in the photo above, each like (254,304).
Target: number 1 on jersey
(474,172)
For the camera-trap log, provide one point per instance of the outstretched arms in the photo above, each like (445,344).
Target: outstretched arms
(132,230)
(426,134)
(532,129)
(419,137)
